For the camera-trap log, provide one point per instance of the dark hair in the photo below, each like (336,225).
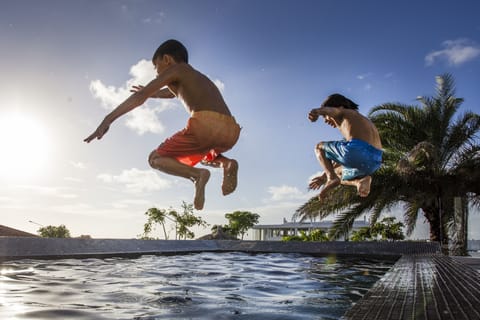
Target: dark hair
(173,48)
(337,100)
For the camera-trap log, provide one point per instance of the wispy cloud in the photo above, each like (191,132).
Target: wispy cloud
(140,120)
(284,192)
(56,192)
(137,181)
(78,165)
(72,179)
(131,202)
(220,85)
(364,76)
(156,17)
(455,52)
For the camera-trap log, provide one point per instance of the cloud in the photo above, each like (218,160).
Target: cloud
(220,85)
(285,192)
(137,181)
(72,179)
(140,120)
(455,52)
(157,17)
(57,192)
(122,204)
(144,120)
(78,165)
(364,76)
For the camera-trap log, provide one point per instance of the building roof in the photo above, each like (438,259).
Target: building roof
(307,225)
(11,232)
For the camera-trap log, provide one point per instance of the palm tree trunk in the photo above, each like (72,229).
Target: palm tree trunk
(433,214)
(460,227)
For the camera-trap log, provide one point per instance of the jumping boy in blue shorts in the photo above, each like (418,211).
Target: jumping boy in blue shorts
(353,159)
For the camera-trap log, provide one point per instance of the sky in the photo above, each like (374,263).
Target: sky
(66,64)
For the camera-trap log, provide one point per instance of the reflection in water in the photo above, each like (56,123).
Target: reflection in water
(196,286)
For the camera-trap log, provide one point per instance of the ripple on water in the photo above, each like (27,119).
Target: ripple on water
(196,286)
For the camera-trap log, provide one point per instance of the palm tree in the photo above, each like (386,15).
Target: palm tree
(430,158)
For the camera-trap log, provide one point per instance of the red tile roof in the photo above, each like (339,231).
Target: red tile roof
(10,232)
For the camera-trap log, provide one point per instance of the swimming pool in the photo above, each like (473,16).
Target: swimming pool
(194,286)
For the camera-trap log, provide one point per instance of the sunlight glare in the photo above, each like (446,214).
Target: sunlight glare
(24,146)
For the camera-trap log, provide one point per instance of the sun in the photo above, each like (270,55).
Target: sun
(24,146)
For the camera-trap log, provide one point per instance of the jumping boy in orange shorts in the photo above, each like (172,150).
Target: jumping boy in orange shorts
(210,131)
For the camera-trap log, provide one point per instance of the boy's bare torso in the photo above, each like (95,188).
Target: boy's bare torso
(353,125)
(197,91)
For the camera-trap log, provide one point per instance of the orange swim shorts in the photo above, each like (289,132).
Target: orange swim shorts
(205,137)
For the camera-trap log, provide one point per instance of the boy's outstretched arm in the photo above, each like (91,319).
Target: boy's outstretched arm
(135,100)
(323,111)
(140,95)
(162,93)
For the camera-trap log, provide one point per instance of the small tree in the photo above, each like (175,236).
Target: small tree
(183,221)
(314,235)
(362,234)
(387,229)
(54,232)
(186,220)
(225,229)
(155,216)
(240,221)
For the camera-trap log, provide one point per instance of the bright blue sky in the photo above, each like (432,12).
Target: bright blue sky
(65,64)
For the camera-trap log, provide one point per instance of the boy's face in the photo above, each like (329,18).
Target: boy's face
(163,63)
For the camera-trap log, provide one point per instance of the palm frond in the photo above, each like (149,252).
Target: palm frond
(410,215)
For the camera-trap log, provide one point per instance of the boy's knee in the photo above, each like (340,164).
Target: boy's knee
(318,147)
(152,159)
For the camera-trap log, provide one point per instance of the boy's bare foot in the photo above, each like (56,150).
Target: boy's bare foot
(200,183)
(329,185)
(317,182)
(363,186)
(230,171)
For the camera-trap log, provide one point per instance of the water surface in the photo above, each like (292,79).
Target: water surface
(195,286)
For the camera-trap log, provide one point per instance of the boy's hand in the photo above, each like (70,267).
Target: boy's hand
(330,122)
(313,115)
(136,89)
(99,133)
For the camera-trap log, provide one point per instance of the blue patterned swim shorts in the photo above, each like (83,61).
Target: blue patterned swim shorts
(357,157)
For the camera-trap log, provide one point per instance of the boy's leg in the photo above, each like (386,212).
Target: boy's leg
(362,185)
(230,172)
(332,179)
(171,166)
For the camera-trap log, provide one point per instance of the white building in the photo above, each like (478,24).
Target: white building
(275,232)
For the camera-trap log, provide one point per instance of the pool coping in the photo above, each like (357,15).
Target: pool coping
(422,284)
(14,248)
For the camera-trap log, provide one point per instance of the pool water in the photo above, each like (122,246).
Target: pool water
(194,286)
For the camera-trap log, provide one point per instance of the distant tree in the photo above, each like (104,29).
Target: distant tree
(155,216)
(183,221)
(389,229)
(318,235)
(240,221)
(186,220)
(54,232)
(362,234)
(386,229)
(225,229)
(313,235)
